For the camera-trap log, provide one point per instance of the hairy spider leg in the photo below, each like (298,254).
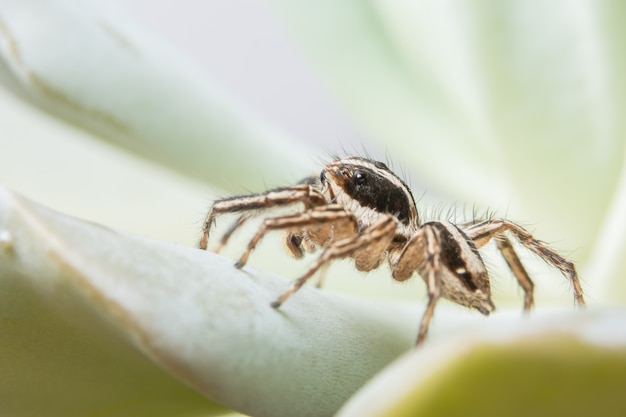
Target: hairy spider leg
(302,193)
(513,262)
(322,275)
(226,236)
(433,285)
(421,252)
(516,266)
(482,233)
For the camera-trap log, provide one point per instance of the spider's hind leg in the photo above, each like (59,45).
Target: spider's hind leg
(482,233)
(516,266)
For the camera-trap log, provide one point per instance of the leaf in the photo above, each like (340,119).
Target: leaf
(105,301)
(570,364)
(88,63)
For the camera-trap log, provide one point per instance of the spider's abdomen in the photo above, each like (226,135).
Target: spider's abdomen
(459,259)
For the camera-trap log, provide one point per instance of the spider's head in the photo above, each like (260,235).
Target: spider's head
(368,187)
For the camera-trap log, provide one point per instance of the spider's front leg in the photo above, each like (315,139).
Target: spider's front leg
(482,233)
(226,236)
(301,193)
(372,242)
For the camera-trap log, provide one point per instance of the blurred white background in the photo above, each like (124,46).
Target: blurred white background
(243,45)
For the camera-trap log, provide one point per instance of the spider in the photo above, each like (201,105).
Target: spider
(358,208)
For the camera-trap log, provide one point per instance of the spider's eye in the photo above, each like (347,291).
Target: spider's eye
(359,178)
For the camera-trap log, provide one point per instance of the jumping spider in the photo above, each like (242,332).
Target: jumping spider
(358,208)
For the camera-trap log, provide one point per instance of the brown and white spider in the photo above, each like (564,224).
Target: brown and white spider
(358,208)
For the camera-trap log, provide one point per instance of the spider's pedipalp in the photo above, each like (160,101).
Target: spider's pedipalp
(383,230)
(317,219)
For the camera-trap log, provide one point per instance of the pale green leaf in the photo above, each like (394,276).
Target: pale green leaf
(89,63)
(84,307)
(565,364)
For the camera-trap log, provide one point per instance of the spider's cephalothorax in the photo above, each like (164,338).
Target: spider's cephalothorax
(358,208)
(368,189)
